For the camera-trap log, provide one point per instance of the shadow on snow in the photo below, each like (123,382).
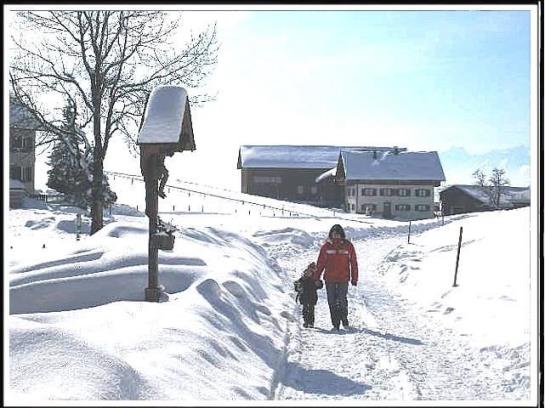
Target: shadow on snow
(322,382)
(386,336)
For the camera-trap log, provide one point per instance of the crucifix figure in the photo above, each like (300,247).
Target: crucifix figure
(152,166)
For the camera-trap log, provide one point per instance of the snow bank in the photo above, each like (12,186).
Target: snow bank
(491,302)
(79,328)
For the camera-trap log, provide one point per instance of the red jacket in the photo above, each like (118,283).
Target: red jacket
(338,258)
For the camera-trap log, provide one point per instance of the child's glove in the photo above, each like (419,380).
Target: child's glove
(319,284)
(297,286)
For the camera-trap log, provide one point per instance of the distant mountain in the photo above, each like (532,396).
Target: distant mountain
(459,165)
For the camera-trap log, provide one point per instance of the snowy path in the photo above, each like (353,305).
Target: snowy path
(390,353)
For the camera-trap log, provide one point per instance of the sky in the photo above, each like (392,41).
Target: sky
(425,80)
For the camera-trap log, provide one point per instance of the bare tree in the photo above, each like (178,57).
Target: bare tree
(105,63)
(497,181)
(480,180)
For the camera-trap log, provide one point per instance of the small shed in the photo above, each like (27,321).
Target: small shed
(465,198)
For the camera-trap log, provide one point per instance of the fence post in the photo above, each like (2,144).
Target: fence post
(442,218)
(458,255)
(409,237)
(78,225)
(173,208)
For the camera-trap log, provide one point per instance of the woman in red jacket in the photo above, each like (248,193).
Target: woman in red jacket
(338,259)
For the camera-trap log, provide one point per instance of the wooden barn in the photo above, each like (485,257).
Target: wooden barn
(464,198)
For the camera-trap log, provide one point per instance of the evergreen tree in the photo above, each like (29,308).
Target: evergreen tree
(71,162)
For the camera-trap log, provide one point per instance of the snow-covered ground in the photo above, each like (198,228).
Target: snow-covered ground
(229,330)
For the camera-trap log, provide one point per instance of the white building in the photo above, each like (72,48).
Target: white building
(392,184)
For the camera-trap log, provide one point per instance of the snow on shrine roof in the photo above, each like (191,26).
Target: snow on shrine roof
(390,166)
(164,115)
(294,156)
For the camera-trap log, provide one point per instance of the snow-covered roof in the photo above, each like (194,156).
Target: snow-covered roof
(330,173)
(166,116)
(296,156)
(20,117)
(508,196)
(16,185)
(417,166)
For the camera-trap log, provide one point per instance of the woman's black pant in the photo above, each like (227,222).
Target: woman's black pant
(338,304)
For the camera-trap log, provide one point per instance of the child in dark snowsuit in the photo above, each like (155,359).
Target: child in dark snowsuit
(306,288)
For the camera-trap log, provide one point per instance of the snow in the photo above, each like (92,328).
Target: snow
(390,166)
(164,115)
(330,173)
(228,328)
(295,156)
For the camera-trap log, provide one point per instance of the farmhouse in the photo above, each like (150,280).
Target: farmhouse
(294,173)
(22,156)
(463,198)
(392,184)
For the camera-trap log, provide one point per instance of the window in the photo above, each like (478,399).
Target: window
(353,207)
(422,207)
(15,173)
(422,192)
(22,143)
(300,189)
(268,179)
(386,192)
(313,190)
(404,192)
(403,207)
(16,142)
(27,174)
(368,191)
(27,144)
(368,207)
